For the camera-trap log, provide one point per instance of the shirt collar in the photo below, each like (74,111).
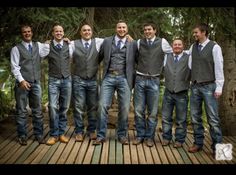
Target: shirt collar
(26,44)
(205,42)
(152,39)
(55,43)
(179,55)
(84,41)
(117,39)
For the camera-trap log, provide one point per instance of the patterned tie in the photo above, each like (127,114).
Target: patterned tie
(59,46)
(199,47)
(86,45)
(176,58)
(30,48)
(119,44)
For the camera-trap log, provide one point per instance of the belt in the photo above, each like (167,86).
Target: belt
(115,72)
(203,83)
(148,76)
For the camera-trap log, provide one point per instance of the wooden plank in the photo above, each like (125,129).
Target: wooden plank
(81,154)
(191,156)
(133,149)
(160,150)
(73,154)
(156,157)
(105,150)
(38,150)
(119,153)
(29,150)
(48,155)
(148,155)
(68,148)
(141,156)
(89,153)
(126,152)
(189,141)
(168,152)
(112,148)
(55,157)
(177,155)
(97,154)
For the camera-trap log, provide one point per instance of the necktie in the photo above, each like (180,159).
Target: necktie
(118,44)
(149,42)
(199,47)
(59,46)
(30,48)
(176,58)
(86,45)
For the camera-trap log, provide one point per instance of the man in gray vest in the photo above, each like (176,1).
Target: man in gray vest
(146,90)
(84,81)
(25,66)
(59,85)
(118,75)
(207,77)
(177,81)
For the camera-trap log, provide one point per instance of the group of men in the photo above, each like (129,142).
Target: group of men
(127,64)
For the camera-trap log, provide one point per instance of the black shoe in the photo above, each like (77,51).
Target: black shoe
(40,139)
(123,140)
(22,141)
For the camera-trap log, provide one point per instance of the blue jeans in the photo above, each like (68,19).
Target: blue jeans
(59,94)
(109,84)
(146,93)
(198,95)
(33,96)
(180,102)
(85,94)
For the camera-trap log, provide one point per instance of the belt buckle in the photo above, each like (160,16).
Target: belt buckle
(114,72)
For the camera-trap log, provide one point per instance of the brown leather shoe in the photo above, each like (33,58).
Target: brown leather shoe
(194,149)
(149,142)
(52,140)
(137,141)
(63,139)
(93,136)
(123,140)
(79,138)
(98,141)
(165,142)
(178,145)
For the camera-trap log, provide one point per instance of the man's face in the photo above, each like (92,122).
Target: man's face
(198,35)
(26,33)
(121,29)
(149,32)
(58,33)
(86,32)
(177,46)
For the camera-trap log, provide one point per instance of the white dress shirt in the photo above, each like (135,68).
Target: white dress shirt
(218,64)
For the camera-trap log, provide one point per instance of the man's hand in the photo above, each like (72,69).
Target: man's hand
(24,85)
(67,40)
(48,42)
(129,38)
(217,94)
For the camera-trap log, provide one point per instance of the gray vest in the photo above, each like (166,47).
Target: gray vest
(203,63)
(59,61)
(30,63)
(150,59)
(118,58)
(177,75)
(85,61)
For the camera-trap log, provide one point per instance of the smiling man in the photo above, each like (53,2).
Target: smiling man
(151,51)
(84,81)
(59,85)
(177,81)
(118,74)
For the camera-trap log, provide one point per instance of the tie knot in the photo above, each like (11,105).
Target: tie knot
(86,45)
(59,46)
(176,58)
(30,48)
(149,42)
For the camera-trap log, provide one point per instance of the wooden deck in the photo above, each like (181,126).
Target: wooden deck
(111,152)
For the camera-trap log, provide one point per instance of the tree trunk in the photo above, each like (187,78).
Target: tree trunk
(227,103)
(90,15)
